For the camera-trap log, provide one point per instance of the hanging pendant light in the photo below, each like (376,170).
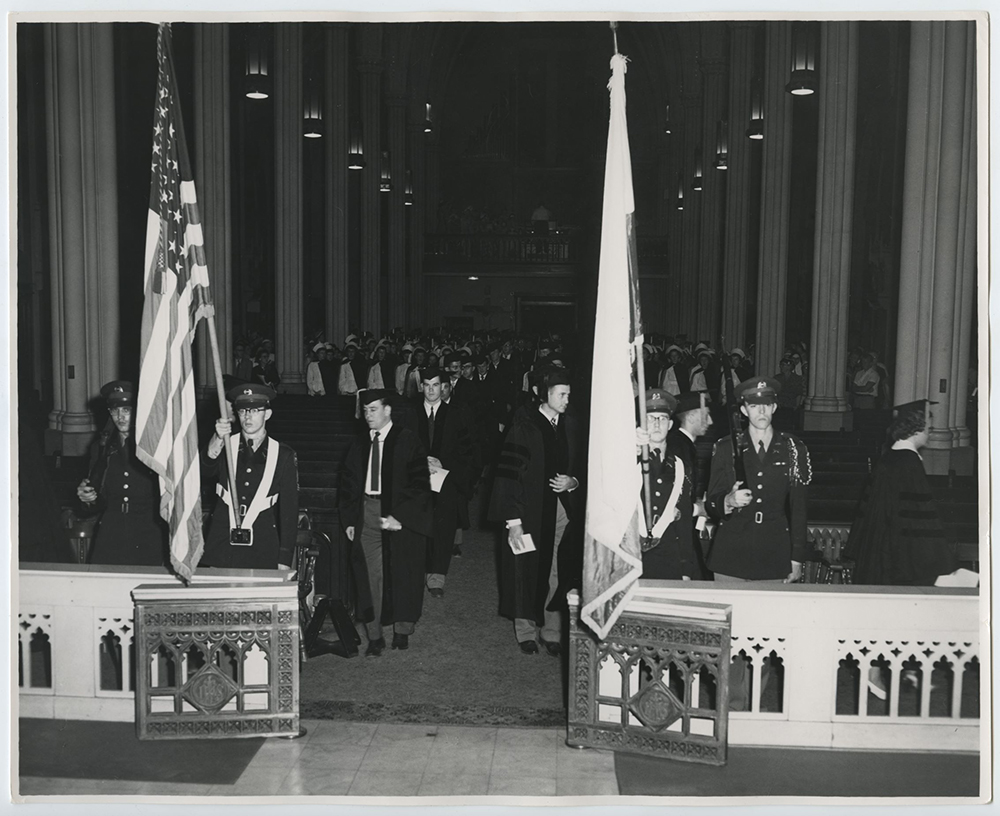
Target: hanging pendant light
(313,116)
(697,182)
(258,81)
(385,174)
(721,145)
(756,129)
(356,154)
(680,192)
(666,126)
(408,189)
(803,78)
(427,118)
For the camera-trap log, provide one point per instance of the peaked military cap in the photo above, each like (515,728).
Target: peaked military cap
(758,390)
(118,392)
(250,395)
(659,401)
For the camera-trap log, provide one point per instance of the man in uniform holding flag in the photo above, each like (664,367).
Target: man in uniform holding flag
(257,530)
(668,549)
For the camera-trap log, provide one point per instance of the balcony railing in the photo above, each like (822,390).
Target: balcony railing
(504,249)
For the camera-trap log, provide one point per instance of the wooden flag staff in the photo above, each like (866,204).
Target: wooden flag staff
(223,412)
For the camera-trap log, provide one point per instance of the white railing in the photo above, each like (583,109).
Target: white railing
(847,666)
(75,636)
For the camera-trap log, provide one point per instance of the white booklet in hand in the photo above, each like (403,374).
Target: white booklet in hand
(437,479)
(527,545)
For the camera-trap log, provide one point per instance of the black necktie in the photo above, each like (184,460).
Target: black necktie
(555,423)
(375,464)
(655,454)
(760,450)
(430,428)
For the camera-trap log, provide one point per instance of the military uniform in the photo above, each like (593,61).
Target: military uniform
(759,541)
(130,530)
(267,486)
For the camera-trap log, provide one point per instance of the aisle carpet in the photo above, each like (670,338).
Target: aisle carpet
(463,665)
(755,772)
(91,749)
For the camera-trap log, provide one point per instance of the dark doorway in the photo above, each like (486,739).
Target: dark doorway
(543,316)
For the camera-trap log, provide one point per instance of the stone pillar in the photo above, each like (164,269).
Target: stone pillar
(336,115)
(415,216)
(693,202)
(83,226)
(826,405)
(396,283)
(710,268)
(213,182)
(370,67)
(938,259)
(772,276)
(736,255)
(288,118)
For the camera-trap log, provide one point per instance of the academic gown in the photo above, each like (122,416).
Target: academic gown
(897,537)
(406,495)
(528,459)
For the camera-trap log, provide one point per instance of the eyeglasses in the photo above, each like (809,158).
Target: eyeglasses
(243,412)
(659,419)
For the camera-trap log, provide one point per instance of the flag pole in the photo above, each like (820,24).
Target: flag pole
(647,488)
(223,411)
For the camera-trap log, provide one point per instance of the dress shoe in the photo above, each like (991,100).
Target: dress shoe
(436,592)
(375,647)
(553,647)
(400,641)
(528,646)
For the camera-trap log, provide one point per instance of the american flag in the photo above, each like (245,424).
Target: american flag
(176,298)
(612,556)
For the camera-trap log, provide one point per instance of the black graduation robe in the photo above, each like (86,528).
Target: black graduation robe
(521,490)
(406,495)
(897,537)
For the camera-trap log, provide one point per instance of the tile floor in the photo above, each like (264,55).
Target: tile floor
(369,759)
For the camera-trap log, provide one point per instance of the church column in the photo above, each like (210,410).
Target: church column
(938,259)
(416,220)
(335,111)
(213,184)
(826,405)
(689,271)
(83,226)
(772,277)
(370,67)
(736,255)
(288,126)
(710,268)
(396,283)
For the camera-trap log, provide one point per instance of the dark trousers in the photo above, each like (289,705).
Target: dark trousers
(371,543)
(442,543)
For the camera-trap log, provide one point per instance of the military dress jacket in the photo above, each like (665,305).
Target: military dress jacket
(274,529)
(130,529)
(759,541)
(673,556)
